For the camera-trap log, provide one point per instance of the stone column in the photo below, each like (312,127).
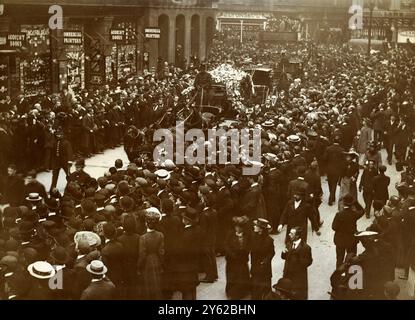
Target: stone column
(395,5)
(187,37)
(172,38)
(140,44)
(202,38)
(59,59)
(153,43)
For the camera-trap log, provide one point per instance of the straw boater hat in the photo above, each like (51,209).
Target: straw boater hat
(162,174)
(97,267)
(268,124)
(366,234)
(41,270)
(294,138)
(263,224)
(270,156)
(34,197)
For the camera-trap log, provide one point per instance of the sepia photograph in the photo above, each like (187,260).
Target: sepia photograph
(215,150)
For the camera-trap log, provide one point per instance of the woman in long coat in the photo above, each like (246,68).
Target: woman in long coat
(237,257)
(262,252)
(150,260)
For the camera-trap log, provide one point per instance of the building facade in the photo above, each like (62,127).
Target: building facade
(99,42)
(393,20)
(309,17)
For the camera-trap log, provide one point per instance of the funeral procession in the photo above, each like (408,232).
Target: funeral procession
(207,150)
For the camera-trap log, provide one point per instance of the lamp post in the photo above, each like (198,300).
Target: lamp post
(369,35)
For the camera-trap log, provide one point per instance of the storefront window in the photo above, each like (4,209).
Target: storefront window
(126,50)
(35,71)
(75,55)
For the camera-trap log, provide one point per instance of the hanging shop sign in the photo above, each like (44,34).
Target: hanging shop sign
(16,40)
(12,40)
(117,35)
(152,33)
(71,37)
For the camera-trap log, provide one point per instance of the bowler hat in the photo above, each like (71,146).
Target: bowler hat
(80,163)
(348,200)
(127,203)
(190,213)
(88,206)
(59,255)
(284,285)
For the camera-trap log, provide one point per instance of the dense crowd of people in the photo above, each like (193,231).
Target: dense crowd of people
(146,230)
(283,24)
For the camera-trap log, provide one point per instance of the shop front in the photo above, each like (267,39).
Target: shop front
(123,60)
(35,62)
(11,45)
(72,65)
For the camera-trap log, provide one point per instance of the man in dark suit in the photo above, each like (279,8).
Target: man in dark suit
(366,185)
(297,212)
(224,206)
(79,175)
(188,256)
(334,157)
(88,127)
(298,258)
(100,288)
(113,255)
(171,227)
(298,160)
(347,135)
(12,188)
(403,137)
(344,227)
(208,224)
(380,186)
(82,276)
(272,190)
(130,243)
(315,191)
(61,158)
(41,273)
(59,257)
(391,130)
(253,203)
(298,184)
